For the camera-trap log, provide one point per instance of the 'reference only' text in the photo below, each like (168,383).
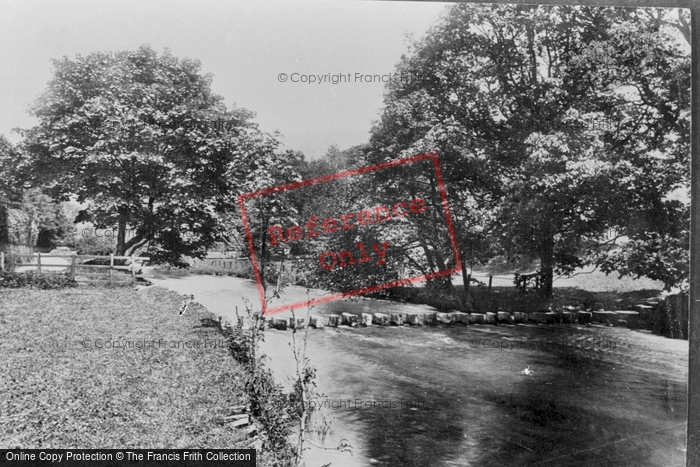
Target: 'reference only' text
(329,259)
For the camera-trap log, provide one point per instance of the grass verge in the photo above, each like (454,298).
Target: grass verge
(509,299)
(65,385)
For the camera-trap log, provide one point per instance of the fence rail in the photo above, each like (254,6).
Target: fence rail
(74,265)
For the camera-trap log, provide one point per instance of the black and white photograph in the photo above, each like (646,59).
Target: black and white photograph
(343,233)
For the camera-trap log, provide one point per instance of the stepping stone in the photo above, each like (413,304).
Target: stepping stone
(552,317)
(366,319)
(316,321)
(414,318)
(569,317)
(602,316)
(397,319)
(445,318)
(381,319)
(519,316)
(584,317)
(333,321)
(430,318)
(297,323)
(349,319)
(280,323)
(630,317)
(536,317)
(461,318)
(490,318)
(504,317)
(477,318)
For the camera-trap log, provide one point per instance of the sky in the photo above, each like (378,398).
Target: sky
(246,45)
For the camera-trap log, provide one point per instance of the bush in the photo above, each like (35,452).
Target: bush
(14,280)
(93,245)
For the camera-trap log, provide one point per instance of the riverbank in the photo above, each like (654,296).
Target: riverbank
(228,297)
(113,368)
(439,396)
(589,290)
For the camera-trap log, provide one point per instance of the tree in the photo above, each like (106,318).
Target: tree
(541,141)
(650,147)
(11,181)
(55,228)
(142,139)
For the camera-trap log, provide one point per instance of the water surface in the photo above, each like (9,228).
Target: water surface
(555,395)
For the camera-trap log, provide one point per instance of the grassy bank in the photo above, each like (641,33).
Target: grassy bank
(65,385)
(589,290)
(481,299)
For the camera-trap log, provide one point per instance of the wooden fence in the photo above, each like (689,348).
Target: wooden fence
(74,265)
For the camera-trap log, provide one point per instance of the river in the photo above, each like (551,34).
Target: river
(545,395)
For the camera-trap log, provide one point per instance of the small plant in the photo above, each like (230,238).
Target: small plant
(267,402)
(285,419)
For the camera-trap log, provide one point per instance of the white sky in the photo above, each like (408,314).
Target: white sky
(245,44)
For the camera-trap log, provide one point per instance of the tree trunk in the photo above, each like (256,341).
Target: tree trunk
(263,250)
(428,255)
(547,263)
(466,278)
(121,235)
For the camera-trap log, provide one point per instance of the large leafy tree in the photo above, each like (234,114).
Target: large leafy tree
(11,180)
(144,141)
(518,102)
(55,228)
(649,145)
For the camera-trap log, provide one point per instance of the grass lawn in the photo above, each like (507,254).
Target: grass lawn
(63,386)
(590,289)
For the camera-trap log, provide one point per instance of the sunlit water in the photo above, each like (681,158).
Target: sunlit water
(436,396)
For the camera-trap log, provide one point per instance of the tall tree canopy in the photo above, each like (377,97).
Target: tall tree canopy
(553,125)
(11,182)
(145,142)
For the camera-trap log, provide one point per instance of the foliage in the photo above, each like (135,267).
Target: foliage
(143,140)
(54,227)
(17,226)
(267,402)
(653,255)
(94,245)
(10,176)
(266,210)
(553,126)
(33,280)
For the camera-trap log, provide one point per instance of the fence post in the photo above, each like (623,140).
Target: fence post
(2,261)
(38,268)
(72,267)
(133,269)
(111,265)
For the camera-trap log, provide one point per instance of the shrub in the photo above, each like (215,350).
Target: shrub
(14,280)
